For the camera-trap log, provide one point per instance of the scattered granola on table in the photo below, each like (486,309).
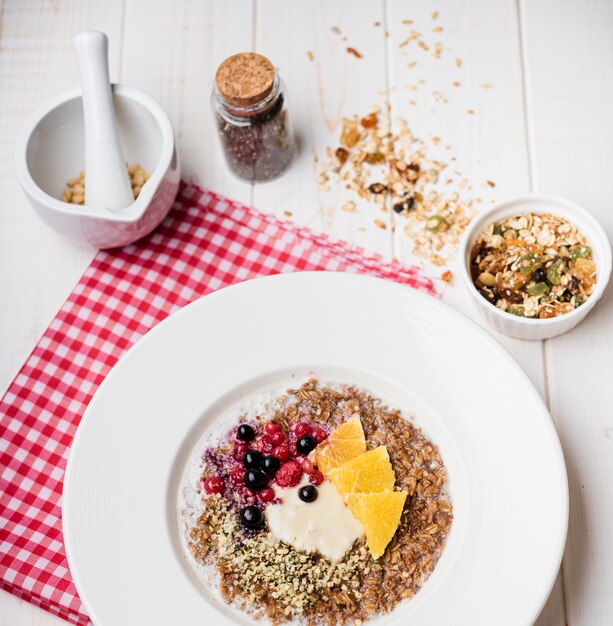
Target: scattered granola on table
(535,265)
(338,446)
(384,163)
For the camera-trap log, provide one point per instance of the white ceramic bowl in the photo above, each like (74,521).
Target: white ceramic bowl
(521,327)
(50,151)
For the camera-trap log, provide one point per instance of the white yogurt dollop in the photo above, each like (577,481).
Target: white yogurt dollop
(326,525)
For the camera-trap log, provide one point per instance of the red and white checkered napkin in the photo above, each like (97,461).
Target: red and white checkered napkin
(206,242)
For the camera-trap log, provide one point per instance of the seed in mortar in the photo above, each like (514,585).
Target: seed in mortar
(75,187)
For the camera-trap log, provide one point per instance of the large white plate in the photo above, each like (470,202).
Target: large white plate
(507,474)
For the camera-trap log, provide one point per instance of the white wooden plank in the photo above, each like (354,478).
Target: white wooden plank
(487,145)
(570,62)
(171,51)
(482,52)
(16,612)
(333,85)
(39,268)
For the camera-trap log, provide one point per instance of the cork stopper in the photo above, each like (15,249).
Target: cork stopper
(245,79)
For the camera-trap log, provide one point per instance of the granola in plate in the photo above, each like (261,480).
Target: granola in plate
(535,265)
(232,536)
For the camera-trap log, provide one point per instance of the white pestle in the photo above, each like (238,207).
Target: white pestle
(107,183)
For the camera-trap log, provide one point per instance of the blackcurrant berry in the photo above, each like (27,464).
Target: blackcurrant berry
(255,479)
(251,517)
(305,444)
(271,465)
(308,493)
(252,459)
(245,432)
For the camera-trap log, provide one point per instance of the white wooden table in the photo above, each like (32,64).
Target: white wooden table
(545,125)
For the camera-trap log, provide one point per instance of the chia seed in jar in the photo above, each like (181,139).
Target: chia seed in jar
(250,107)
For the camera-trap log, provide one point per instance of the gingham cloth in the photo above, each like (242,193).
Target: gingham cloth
(205,243)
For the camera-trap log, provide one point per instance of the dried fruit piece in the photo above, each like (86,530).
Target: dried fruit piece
(369,120)
(554,272)
(447,277)
(350,135)
(539,289)
(547,312)
(584,268)
(366,473)
(405,205)
(528,263)
(342,445)
(580,252)
(379,514)
(436,223)
(342,155)
(374,157)
(489,280)
(377,188)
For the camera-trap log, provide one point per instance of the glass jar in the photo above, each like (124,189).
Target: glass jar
(249,102)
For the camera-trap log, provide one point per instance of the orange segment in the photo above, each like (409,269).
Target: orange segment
(366,473)
(342,445)
(379,514)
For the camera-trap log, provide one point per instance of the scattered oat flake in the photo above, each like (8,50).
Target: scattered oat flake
(423,45)
(407,21)
(354,52)
(310,56)
(377,23)
(470,111)
(412,36)
(412,64)
(434,15)
(412,102)
(349,207)
(458,62)
(456,83)
(447,277)
(287,213)
(491,183)
(485,86)
(381,224)
(336,30)
(438,29)
(439,97)
(438,49)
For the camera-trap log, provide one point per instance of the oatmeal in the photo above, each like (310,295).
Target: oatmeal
(533,265)
(256,507)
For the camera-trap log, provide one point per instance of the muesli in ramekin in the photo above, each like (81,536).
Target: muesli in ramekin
(320,503)
(534,265)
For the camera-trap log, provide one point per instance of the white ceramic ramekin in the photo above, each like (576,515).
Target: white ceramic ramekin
(50,150)
(526,328)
